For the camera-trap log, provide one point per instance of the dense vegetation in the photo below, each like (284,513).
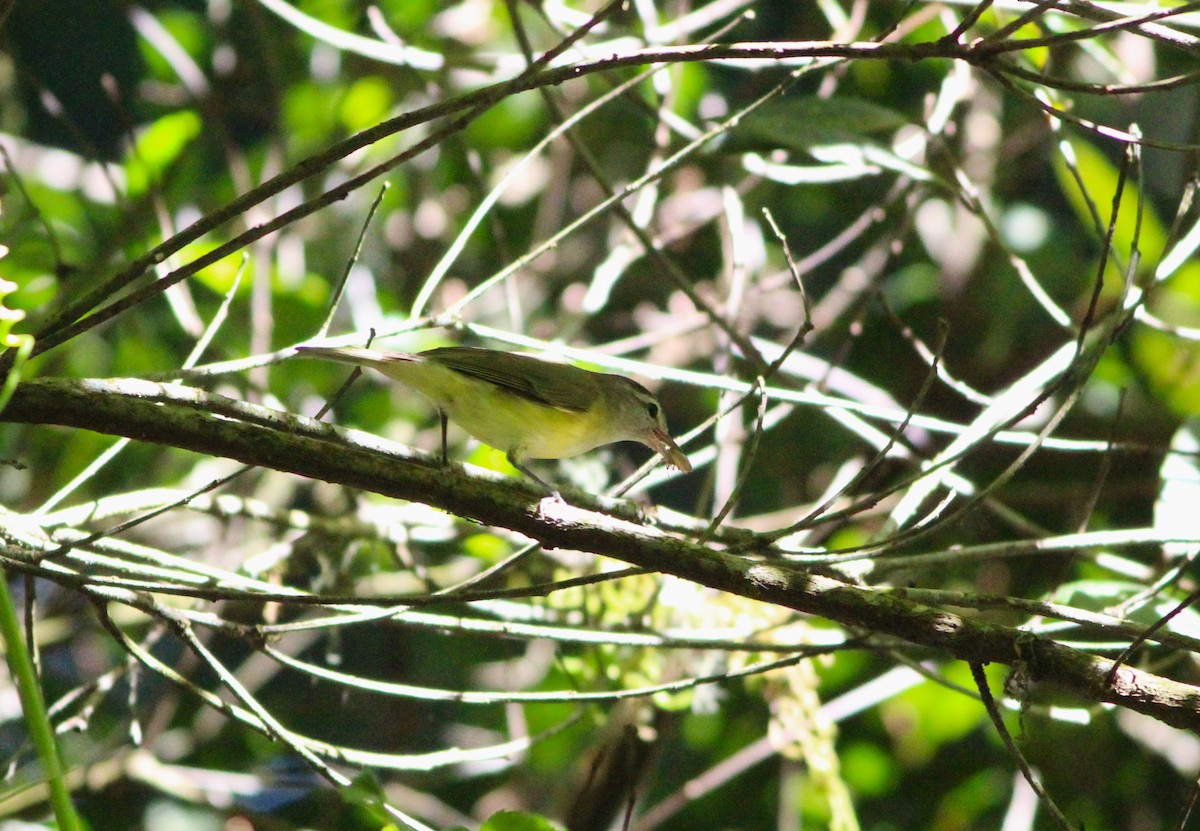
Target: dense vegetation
(915,283)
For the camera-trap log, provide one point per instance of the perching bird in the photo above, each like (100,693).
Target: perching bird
(524,406)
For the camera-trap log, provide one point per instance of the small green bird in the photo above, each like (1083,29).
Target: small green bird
(524,406)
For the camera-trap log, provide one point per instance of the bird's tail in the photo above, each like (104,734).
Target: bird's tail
(356,355)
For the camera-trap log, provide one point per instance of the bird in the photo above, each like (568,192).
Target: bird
(524,406)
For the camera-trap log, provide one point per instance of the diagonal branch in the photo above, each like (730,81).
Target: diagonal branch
(206,423)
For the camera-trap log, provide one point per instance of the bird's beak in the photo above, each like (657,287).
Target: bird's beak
(666,447)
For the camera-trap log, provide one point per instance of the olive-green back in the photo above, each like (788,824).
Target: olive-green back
(562,386)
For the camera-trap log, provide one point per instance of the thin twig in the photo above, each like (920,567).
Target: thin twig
(989,704)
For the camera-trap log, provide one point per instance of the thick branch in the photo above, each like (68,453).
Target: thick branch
(206,423)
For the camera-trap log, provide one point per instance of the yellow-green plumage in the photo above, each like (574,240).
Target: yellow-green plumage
(527,407)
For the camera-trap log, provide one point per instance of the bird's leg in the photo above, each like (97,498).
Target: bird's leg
(512,460)
(445,420)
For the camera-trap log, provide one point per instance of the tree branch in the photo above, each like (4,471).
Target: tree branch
(196,420)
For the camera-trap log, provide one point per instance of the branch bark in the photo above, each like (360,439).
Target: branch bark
(203,422)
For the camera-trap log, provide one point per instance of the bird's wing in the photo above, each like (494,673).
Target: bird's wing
(562,386)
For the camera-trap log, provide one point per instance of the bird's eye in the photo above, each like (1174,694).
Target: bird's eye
(652,409)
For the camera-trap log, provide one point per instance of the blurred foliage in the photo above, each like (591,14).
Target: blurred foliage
(919,194)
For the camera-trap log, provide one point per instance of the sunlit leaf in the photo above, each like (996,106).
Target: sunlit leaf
(518,821)
(1100,178)
(1179,490)
(158,147)
(366,103)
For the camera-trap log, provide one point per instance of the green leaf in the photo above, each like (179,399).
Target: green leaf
(490,548)
(1172,367)
(218,276)
(366,103)
(518,821)
(934,715)
(836,132)
(868,769)
(804,123)
(158,147)
(1100,177)
(366,793)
